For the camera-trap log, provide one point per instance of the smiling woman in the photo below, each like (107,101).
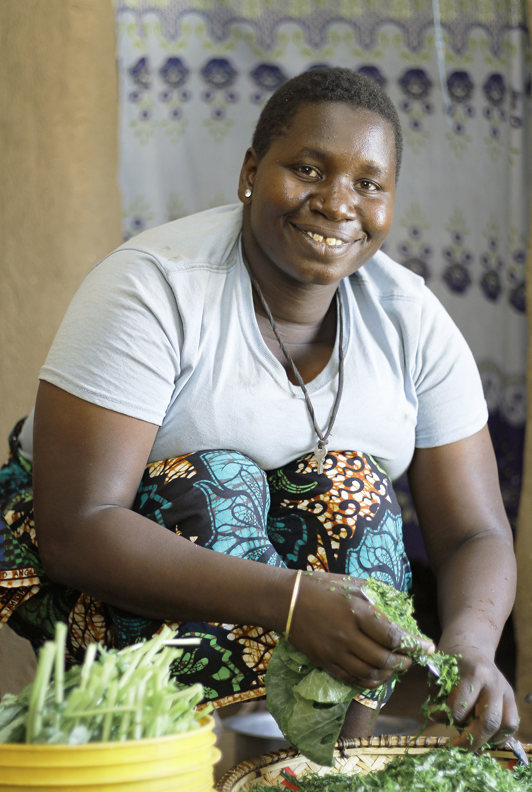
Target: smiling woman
(226,405)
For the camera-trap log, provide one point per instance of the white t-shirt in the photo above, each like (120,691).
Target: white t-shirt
(164,330)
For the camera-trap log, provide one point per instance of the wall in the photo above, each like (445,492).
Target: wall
(60,207)
(59,204)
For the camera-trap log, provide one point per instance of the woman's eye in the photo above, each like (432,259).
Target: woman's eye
(368,185)
(307,170)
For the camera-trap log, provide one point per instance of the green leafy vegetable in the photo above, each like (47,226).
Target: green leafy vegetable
(447,769)
(310,705)
(398,606)
(114,695)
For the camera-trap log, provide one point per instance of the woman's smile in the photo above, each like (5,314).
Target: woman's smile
(327,239)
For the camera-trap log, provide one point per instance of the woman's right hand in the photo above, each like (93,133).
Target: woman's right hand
(340,631)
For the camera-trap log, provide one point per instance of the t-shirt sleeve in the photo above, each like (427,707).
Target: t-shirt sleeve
(119,343)
(451,402)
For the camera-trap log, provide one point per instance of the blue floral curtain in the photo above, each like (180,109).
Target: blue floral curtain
(194,75)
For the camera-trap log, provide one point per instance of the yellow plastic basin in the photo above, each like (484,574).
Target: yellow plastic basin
(182,761)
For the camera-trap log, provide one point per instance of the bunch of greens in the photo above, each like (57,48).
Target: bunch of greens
(114,695)
(447,769)
(398,607)
(310,705)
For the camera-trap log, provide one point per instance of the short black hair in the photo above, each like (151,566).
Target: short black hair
(324,84)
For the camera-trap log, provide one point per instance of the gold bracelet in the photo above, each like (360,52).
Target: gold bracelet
(295,592)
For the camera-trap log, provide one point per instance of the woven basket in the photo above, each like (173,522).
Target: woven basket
(361,755)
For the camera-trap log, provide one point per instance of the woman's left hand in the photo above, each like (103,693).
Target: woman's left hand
(469,545)
(483,703)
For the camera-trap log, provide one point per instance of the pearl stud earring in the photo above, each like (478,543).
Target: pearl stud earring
(247,193)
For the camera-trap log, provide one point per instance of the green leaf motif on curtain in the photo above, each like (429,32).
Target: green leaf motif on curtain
(143,127)
(416,139)
(459,258)
(218,128)
(138,216)
(414,251)
(459,19)
(174,129)
(457,138)
(457,228)
(386,42)
(492,260)
(175,207)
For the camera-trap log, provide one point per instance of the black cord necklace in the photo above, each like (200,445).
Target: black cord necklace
(320,451)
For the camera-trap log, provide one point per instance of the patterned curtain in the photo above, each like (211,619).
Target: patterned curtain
(193,77)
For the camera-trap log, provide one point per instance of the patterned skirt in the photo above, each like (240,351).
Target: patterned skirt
(345,520)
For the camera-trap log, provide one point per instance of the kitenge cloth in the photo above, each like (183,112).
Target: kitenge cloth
(346,520)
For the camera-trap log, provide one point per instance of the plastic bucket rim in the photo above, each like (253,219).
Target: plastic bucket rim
(207,724)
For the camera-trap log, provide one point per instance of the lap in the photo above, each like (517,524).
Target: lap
(345,520)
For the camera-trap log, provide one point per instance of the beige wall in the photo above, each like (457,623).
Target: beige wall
(60,207)
(59,201)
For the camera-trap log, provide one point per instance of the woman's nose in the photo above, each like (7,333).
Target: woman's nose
(336,201)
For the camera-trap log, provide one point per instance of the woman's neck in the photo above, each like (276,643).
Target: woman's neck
(296,332)
(292,303)
(307,345)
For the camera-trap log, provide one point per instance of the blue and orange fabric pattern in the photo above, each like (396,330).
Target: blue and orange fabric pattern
(345,520)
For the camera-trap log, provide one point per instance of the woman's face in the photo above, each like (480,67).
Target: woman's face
(322,196)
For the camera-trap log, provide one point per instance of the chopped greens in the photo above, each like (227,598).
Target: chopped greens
(447,769)
(398,607)
(114,695)
(310,705)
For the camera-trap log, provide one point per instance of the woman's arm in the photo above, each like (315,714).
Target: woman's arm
(88,463)
(469,543)
(90,460)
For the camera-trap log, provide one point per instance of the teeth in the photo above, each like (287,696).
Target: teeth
(331,241)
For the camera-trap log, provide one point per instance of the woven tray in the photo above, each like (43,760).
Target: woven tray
(362,755)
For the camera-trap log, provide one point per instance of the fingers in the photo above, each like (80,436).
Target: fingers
(345,634)
(374,670)
(387,633)
(379,652)
(371,620)
(342,633)
(488,714)
(414,645)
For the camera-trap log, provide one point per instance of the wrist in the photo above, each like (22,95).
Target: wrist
(293,602)
(274,594)
(464,640)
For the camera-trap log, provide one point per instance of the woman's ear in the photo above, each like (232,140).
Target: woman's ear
(247,176)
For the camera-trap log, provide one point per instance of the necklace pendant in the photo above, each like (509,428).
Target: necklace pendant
(319,454)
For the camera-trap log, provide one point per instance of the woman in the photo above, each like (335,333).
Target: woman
(253,378)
